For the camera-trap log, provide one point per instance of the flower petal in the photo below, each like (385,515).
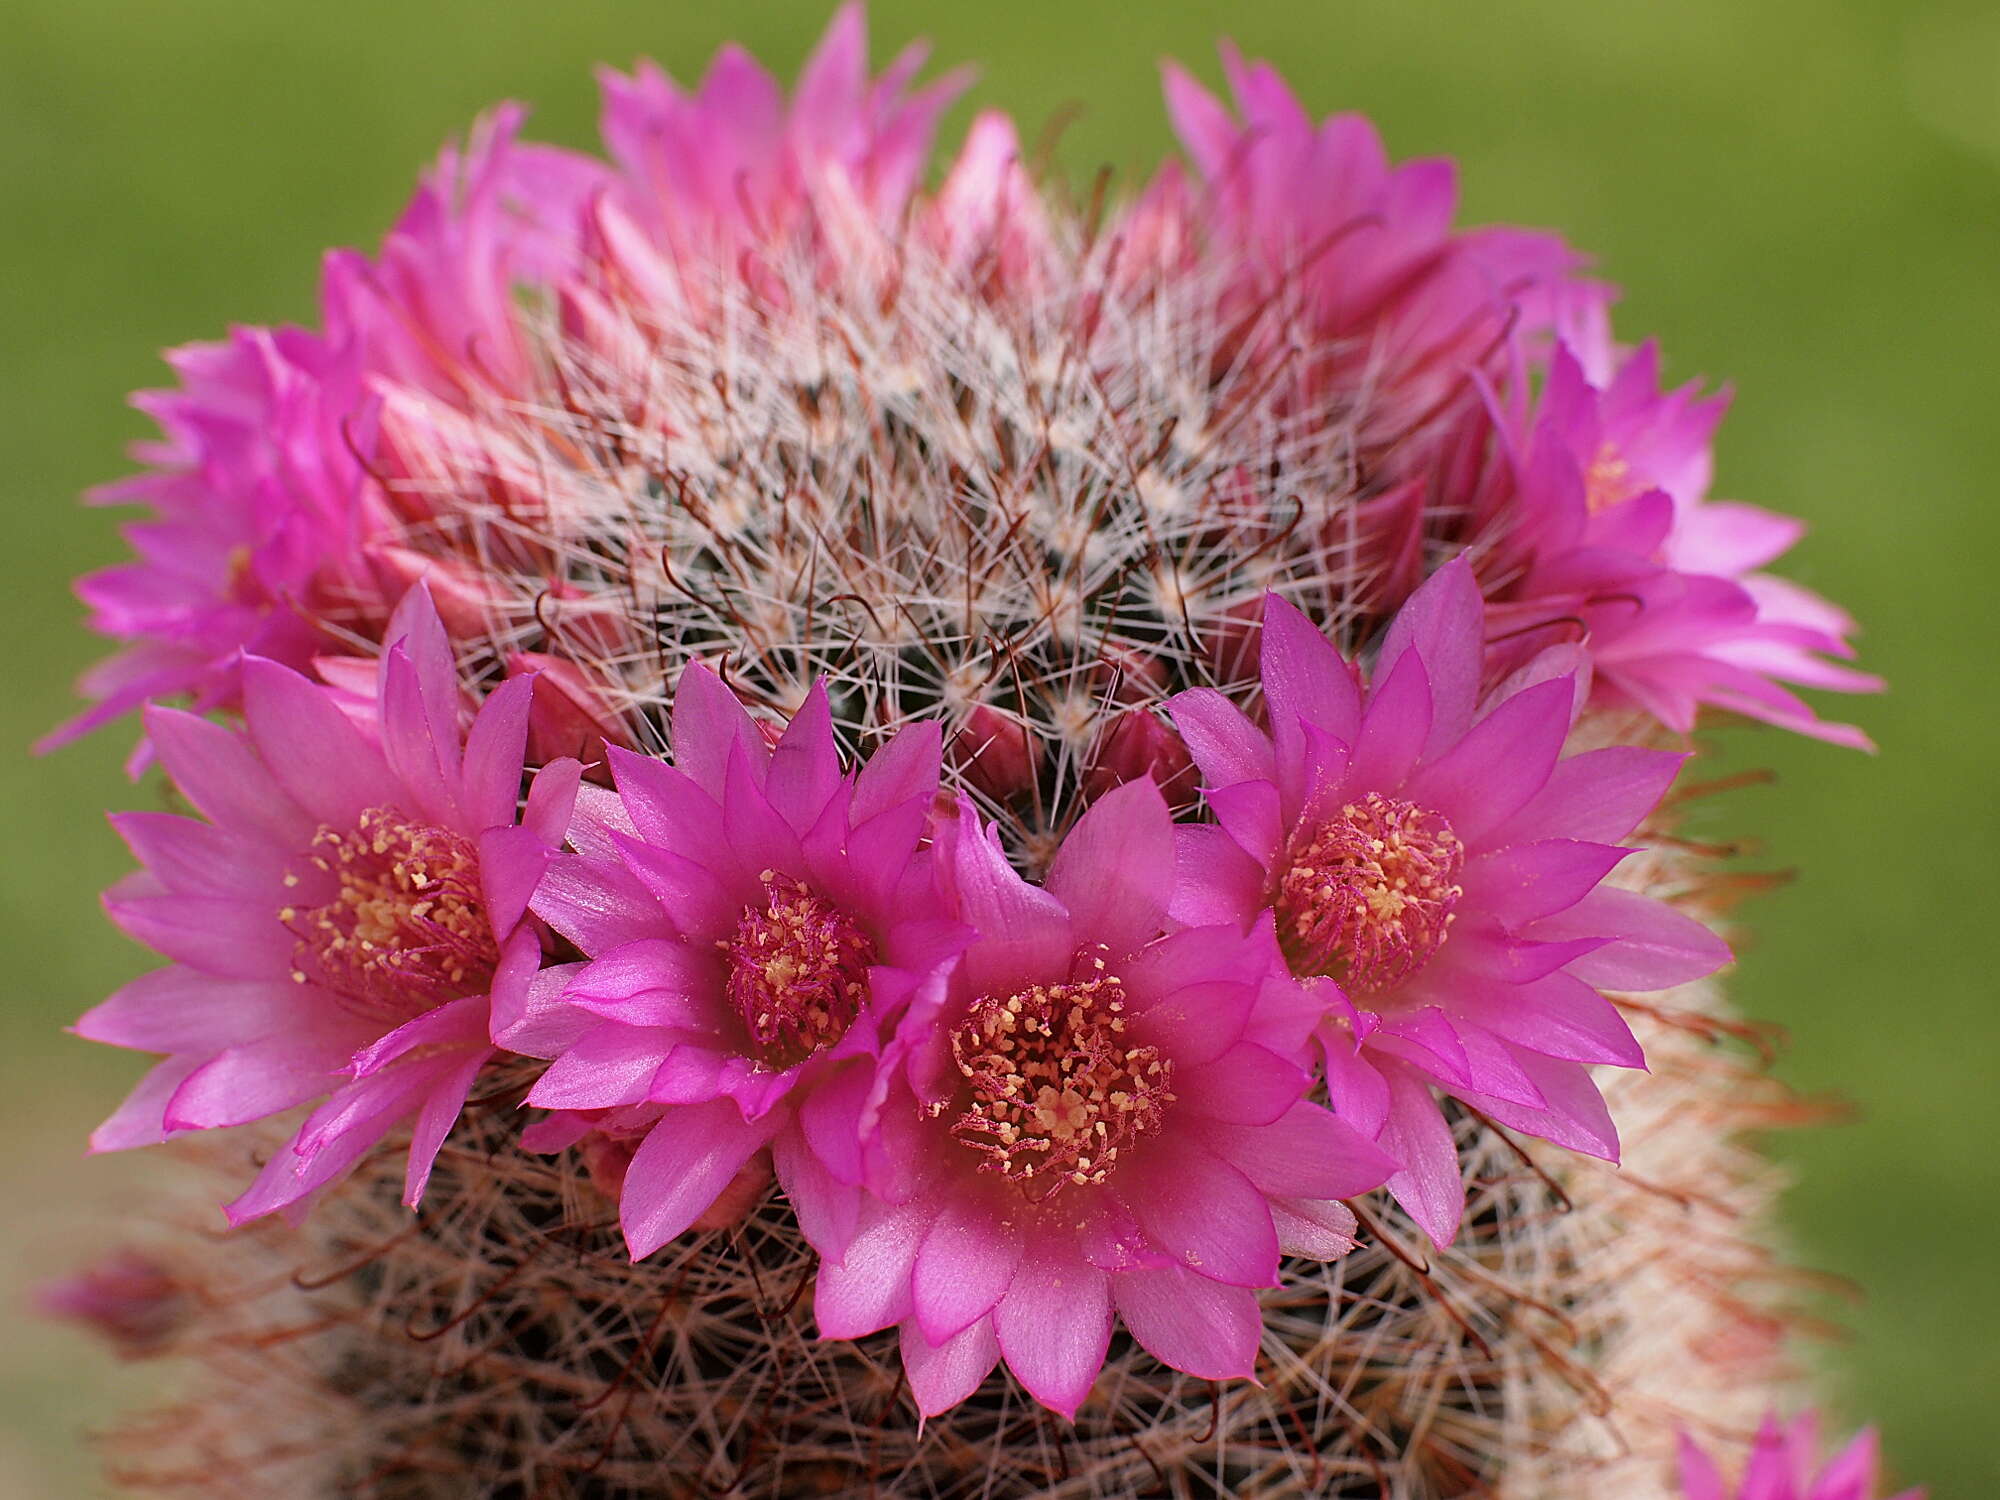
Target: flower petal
(942,1375)
(967,1261)
(1054,1327)
(1115,869)
(869,1287)
(680,1168)
(1190,1323)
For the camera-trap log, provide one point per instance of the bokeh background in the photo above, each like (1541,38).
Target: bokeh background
(1802,196)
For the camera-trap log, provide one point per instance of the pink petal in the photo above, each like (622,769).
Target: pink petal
(1558,1015)
(1023,930)
(512,862)
(552,797)
(1394,729)
(697,898)
(1226,746)
(666,806)
(1304,675)
(1204,1212)
(215,771)
(1215,882)
(827,1209)
(256,1079)
(1600,795)
(1314,1230)
(869,1287)
(525,1011)
(1247,1085)
(680,1168)
(312,749)
(1518,885)
(942,1375)
(1306,1153)
(967,1261)
(1252,814)
(232,939)
(708,723)
(140,1120)
(435,1117)
(905,769)
(1574,1115)
(831,1119)
(595,903)
(494,749)
(425,763)
(1189,1323)
(654,982)
(176,1009)
(1429,1186)
(805,765)
(1506,758)
(1054,1328)
(1444,624)
(1652,946)
(192,858)
(610,1065)
(1115,869)
(1700,1480)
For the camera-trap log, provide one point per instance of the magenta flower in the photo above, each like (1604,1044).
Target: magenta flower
(1344,269)
(755,919)
(267,524)
(343,914)
(1095,1117)
(435,313)
(1610,525)
(735,163)
(1781,1467)
(255,501)
(1435,868)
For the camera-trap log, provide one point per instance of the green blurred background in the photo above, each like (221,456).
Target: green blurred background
(1800,195)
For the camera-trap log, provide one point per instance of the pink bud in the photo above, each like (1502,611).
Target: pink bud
(569,715)
(127,1298)
(1137,744)
(745,1191)
(463,602)
(996,754)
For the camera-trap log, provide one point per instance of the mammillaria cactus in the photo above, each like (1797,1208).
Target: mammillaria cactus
(953,843)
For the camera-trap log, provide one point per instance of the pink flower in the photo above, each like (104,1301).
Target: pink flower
(345,912)
(1609,525)
(1781,1467)
(1095,1118)
(755,919)
(736,163)
(1323,249)
(1435,868)
(267,523)
(435,314)
(254,532)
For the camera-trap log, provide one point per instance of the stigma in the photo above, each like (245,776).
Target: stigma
(1366,896)
(1058,1089)
(403,925)
(798,971)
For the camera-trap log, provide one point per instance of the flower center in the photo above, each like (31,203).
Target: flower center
(1367,895)
(798,971)
(1057,1091)
(405,928)
(1608,480)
